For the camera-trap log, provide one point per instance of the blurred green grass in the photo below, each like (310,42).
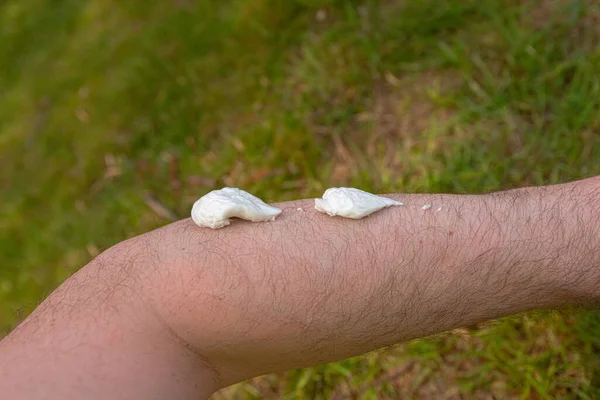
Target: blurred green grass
(116,116)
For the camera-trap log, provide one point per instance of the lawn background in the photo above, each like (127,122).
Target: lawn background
(116,115)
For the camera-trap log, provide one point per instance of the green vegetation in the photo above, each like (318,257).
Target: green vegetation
(116,115)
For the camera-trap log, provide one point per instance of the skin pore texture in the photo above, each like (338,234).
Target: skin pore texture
(182,311)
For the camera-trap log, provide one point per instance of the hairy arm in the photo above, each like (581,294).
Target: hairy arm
(187,310)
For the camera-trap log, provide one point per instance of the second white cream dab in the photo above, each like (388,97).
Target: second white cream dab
(352,203)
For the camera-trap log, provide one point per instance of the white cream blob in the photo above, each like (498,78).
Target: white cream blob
(215,209)
(352,203)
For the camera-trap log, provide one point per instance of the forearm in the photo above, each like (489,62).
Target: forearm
(186,309)
(307,289)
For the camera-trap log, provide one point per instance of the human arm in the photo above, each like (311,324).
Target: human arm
(220,306)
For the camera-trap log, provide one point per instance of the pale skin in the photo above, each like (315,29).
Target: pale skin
(182,311)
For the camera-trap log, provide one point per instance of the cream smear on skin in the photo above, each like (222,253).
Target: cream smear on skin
(215,209)
(352,203)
